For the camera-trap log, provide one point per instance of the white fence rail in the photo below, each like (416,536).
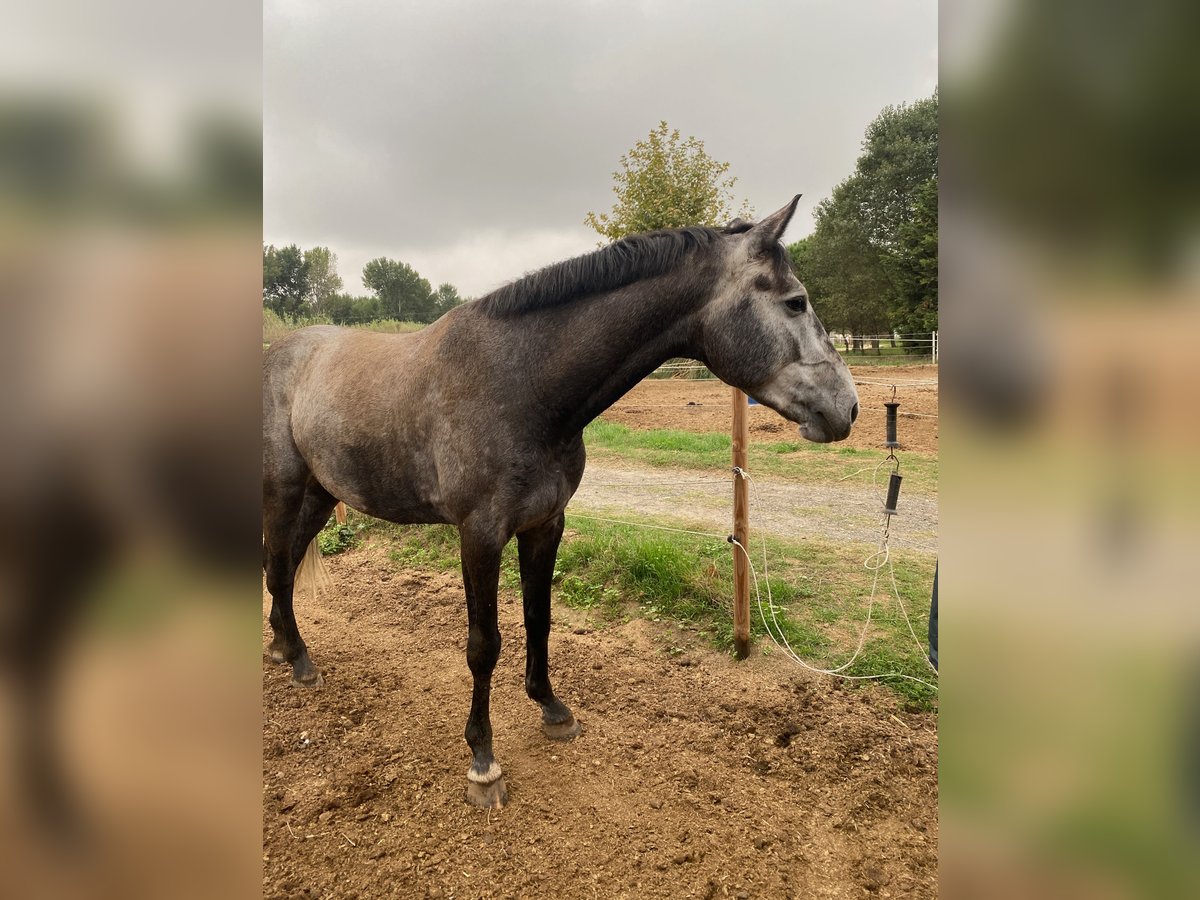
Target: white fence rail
(864,349)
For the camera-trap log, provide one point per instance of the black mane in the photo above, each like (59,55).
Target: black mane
(623,262)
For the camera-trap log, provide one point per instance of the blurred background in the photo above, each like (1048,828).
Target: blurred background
(130,227)
(130,234)
(1070,231)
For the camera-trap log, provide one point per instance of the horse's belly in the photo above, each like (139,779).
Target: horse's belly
(401,509)
(380,478)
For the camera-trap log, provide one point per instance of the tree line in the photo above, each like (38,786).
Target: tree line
(305,283)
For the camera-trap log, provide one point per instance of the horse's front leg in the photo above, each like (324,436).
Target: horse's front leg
(481,575)
(537,550)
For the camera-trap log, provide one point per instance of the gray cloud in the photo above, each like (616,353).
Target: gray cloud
(469,134)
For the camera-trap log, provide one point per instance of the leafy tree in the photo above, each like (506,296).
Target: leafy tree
(845,273)
(285,279)
(365,309)
(667,182)
(445,298)
(914,265)
(900,154)
(339,307)
(323,279)
(401,291)
(871,262)
(896,191)
(800,252)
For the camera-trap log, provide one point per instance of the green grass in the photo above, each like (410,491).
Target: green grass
(613,571)
(335,538)
(797,461)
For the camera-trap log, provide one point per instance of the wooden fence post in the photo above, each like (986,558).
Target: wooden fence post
(741,529)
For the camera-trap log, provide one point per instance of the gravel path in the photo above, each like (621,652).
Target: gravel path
(845,512)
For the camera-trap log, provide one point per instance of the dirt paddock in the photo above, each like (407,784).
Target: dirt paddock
(694,777)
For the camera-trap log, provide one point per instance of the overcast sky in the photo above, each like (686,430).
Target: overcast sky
(469,139)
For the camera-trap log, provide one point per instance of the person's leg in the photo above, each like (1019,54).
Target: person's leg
(933,625)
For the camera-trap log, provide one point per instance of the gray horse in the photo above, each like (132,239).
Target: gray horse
(477,420)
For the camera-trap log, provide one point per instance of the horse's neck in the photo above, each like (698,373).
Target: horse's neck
(608,345)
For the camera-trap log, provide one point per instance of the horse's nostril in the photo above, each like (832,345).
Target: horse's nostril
(853,413)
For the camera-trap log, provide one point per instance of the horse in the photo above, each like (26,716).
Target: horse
(477,420)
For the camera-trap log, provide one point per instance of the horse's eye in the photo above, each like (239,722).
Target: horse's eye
(797,304)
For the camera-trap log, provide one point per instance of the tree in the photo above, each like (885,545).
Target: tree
(285,279)
(364,309)
(871,263)
(445,298)
(895,186)
(844,272)
(801,254)
(339,307)
(900,154)
(323,279)
(914,264)
(402,293)
(667,182)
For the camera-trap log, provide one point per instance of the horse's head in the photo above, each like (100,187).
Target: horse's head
(762,335)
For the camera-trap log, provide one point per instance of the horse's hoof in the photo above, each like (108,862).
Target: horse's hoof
(311,679)
(487,796)
(562,731)
(304,673)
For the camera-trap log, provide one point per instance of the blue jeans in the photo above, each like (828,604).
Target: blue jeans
(933,648)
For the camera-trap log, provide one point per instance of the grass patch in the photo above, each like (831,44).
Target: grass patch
(798,461)
(276,326)
(819,590)
(422,546)
(334,538)
(831,593)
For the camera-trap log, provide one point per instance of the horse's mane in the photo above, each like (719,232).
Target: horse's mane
(622,262)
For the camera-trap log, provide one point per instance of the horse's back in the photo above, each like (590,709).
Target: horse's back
(283,355)
(346,407)
(313,359)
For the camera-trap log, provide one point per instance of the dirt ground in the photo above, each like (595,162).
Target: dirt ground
(694,777)
(702,406)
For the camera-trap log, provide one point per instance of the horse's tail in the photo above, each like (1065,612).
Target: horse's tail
(312,576)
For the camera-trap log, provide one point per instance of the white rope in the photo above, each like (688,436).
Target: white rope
(707,534)
(884,552)
(711,482)
(786,647)
(900,382)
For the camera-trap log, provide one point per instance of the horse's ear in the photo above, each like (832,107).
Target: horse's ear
(738,226)
(770,230)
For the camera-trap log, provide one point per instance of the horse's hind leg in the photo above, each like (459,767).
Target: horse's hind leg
(537,550)
(296,515)
(481,549)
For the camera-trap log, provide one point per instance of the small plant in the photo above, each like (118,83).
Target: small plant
(334,538)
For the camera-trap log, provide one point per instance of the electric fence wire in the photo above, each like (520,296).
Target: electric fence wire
(779,637)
